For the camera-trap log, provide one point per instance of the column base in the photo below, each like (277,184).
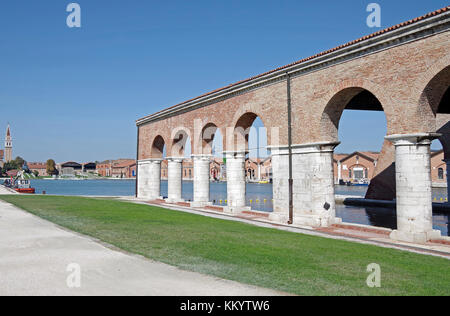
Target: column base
(419,238)
(236,209)
(173,201)
(149,198)
(314,221)
(201,204)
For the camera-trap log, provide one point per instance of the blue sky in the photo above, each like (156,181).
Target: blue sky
(74,94)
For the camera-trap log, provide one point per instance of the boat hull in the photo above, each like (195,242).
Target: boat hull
(26,191)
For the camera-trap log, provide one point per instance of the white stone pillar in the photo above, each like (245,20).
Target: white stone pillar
(314,191)
(149,179)
(175,179)
(235,181)
(413,181)
(280,184)
(201,180)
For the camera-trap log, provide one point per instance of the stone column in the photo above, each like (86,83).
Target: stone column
(413,180)
(201,180)
(235,181)
(149,179)
(280,184)
(314,192)
(175,179)
(313,184)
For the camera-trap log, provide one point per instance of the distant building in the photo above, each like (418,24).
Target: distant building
(40,167)
(188,169)
(438,169)
(355,167)
(12,173)
(90,167)
(103,168)
(69,169)
(123,168)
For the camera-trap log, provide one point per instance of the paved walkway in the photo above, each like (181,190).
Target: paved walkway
(35,255)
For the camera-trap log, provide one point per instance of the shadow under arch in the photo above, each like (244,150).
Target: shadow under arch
(180,137)
(242,129)
(207,137)
(158,147)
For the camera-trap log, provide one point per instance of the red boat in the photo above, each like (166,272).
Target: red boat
(23,186)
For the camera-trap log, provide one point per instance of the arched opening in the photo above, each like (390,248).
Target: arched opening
(211,142)
(436,95)
(251,135)
(363,160)
(158,147)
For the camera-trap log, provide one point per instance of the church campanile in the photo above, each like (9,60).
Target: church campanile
(8,145)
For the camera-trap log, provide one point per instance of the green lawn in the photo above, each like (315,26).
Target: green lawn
(264,257)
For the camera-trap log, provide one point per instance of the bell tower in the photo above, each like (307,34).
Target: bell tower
(8,145)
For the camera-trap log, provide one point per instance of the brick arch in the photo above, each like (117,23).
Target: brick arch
(206,138)
(338,98)
(203,130)
(429,88)
(240,129)
(427,97)
(178,138)
(157,148)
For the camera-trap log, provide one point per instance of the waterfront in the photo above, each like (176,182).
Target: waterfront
(259,196)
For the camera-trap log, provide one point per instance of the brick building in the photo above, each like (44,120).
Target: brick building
(40,167)
(358,167)
(438,169)
(104,168)
(124,168)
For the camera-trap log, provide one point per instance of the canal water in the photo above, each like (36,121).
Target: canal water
(259,197)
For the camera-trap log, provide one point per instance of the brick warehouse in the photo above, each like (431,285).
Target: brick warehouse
(403,70)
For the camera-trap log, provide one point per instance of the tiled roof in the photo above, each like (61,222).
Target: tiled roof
(124,164)
(37,165)
(364,38)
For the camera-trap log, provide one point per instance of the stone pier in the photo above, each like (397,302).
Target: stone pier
(174,179)
(201,180)
(280,180)
(313,184)
(236,188)
(414,195)
(314,194)
(149,179)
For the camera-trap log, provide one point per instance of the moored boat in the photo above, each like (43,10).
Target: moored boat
(23,186)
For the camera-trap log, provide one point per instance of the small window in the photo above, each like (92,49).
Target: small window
(441,174)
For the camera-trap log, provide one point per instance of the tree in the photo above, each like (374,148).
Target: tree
(19,162)
(51,167)
(36,173)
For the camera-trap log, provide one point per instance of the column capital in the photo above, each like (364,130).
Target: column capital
(412,139)
(150,160)
(175,159)
(305,148)
(235,153)
(202,157)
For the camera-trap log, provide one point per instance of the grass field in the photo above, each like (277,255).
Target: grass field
(270,258)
